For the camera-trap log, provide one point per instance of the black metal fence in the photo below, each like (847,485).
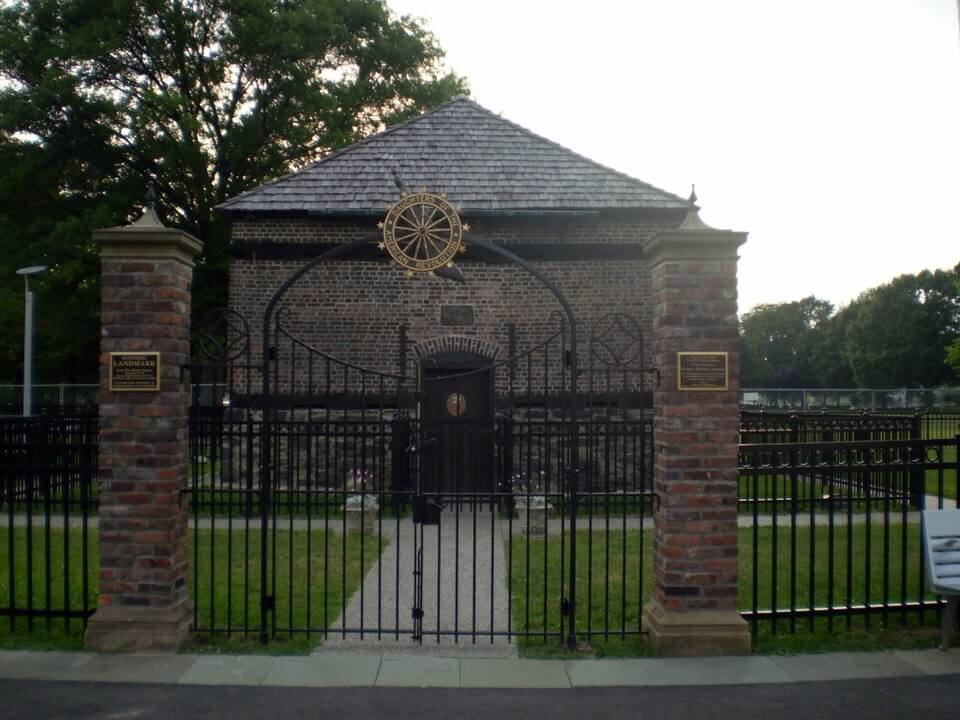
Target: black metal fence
(48,468)
(778,426)
(345,559)
(940,425)
(829,525)
(830,531)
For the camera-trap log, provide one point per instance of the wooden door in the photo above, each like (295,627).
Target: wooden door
(458,419)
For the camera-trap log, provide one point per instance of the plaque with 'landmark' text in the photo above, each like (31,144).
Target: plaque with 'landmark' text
(702,371)
(134,371)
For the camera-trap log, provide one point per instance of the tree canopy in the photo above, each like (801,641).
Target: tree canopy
(953,349)
(900,331)
(905,333)
(205,98)
(781,343)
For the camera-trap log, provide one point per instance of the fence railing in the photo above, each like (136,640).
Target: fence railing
(50,399)
(61,395)
(830,531)
(48,471)
(779,426)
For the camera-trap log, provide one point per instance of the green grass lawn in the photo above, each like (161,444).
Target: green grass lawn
(611,589)
(614,600)
(948,477)
(311,575)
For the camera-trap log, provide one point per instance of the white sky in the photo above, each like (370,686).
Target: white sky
(827,129)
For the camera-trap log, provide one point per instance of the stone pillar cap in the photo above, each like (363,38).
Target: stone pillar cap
(693,239)
(148,238)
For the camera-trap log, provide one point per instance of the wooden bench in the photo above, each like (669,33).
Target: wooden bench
(941,542)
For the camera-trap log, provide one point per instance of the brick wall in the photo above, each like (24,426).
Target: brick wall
(353,309)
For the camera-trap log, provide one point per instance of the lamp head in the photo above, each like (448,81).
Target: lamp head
(31,270)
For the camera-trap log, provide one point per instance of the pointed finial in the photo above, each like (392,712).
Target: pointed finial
(149,218)
(150,198)
(693,194)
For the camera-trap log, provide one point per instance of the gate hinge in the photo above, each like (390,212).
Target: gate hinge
(565,607)
(272,352)
(269,603)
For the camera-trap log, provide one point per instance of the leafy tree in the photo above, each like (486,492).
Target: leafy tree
(953,349)
(783,345)
(829,358)
(207,98)
(900,331)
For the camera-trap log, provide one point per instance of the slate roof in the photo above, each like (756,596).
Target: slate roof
(482,161)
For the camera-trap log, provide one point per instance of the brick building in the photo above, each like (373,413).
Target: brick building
(583,225)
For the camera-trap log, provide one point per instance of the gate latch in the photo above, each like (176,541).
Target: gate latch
(565,607)
(417,613)
(269,603)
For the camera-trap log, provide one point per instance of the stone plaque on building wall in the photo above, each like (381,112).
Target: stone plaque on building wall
(135,371)
(702,371)
(456,314)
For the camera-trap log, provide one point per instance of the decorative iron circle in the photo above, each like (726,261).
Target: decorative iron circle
(616,340)
(422,232)
(223,335)
(456,404)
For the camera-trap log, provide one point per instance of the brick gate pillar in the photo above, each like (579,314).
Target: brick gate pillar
(693,610)
(146,273)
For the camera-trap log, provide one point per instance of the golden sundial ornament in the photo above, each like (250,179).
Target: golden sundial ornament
(422,232)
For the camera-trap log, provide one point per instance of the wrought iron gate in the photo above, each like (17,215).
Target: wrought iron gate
(329,503)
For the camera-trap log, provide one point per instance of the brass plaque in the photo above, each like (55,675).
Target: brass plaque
(134,371)
(702,371)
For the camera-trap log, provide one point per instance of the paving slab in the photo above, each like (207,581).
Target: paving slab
(932,662)
(314,671)
(162,669)
(506,673)
(38,665)
(419,672)
(228,670)
(675,671)
(845,666)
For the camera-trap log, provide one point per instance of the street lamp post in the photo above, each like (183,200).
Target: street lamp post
(28,313)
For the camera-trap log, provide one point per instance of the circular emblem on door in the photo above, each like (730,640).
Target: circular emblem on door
(422,232)
(456,404)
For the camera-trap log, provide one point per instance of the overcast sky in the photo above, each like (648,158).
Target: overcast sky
(827,129)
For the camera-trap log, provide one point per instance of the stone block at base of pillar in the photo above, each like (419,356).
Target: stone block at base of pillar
(696,633)
(131,628)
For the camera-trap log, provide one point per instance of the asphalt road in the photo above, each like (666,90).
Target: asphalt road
(923,698)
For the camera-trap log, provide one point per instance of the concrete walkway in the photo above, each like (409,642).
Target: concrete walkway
(461,672)
(464,591)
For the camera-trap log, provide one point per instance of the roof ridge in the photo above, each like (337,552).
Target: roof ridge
(610,188)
